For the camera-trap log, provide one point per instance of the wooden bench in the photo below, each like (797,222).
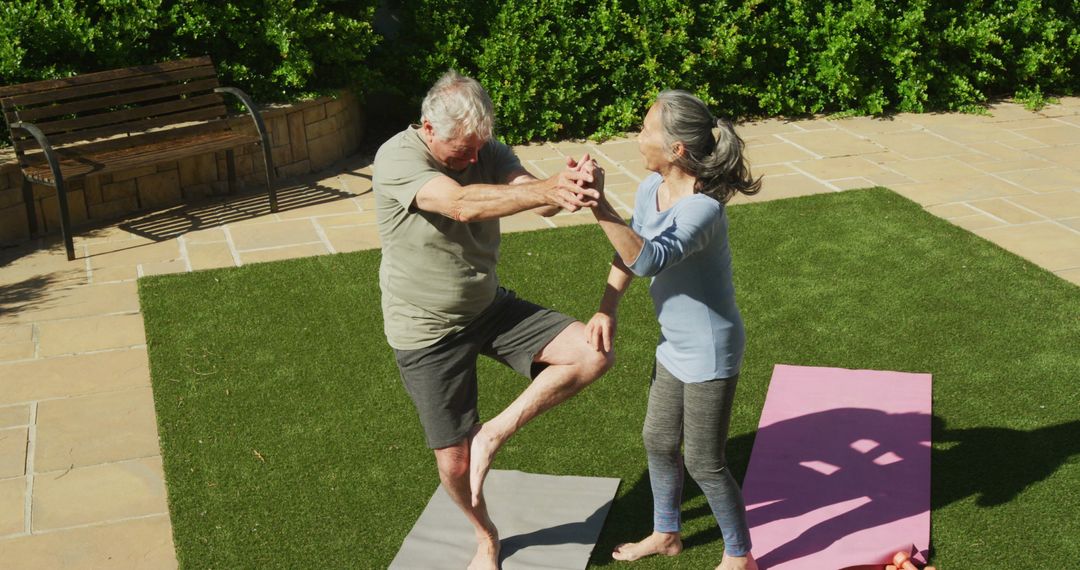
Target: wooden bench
(95,123)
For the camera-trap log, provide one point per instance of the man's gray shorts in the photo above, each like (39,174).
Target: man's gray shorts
(441,379)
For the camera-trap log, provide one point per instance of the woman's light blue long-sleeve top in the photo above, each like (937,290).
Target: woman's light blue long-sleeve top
(687,255)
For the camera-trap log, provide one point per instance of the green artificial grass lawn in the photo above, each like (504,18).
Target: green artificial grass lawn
(289,442)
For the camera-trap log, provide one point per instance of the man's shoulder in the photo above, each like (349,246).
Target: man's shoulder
(397,144)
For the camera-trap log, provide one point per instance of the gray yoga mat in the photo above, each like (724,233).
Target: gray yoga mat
(545,521)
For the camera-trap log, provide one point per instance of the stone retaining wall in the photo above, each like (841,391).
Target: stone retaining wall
(304,137)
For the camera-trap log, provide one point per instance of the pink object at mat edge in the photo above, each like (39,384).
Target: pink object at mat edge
(840,471)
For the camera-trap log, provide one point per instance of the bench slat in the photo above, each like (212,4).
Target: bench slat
(202,114)
(122,84)
(35,156)
(101,76)
(48,111)
(83,164)
(132,118)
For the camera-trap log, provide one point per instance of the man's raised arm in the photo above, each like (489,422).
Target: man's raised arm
(479,202)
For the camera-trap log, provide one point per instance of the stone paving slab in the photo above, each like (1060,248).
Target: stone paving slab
(81,484)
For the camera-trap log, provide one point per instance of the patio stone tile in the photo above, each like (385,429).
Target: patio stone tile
(38,269)
(872,125)
(573,149)
(567,219)
(89,334)
(775,169)
(534,151)
(13,452)
(144,544)
(12,334)
(993,151)
(1065,155)
(109,234)
(1055,134)
(616,177)
(12,416)
(957,190)
(108,275)
(273,234)
(954,210)
(819,124)
(354,238)
(1007,209)
(346,220)
(974,133)
(929,169)
(885,157)
(130,254)
(209,256)
(164,268)
(1045,179)
(1008,111)
(776,187)
(288,252)
(832,143)
(524,222)
(636,169)
(976,222)
(1072,275)
(12,507)
(1070,119)
(73,375)
(843,167)
(620,150)
(208,235)
(1057,205)
(546,167)
(1025,144)
(996,166)
(766,127)
(776,153)
(98,493)
(1073,223)
(16,351)
(852,183)
(919,144)
(82,301)
(1045,243)
(337,206)
(101,428)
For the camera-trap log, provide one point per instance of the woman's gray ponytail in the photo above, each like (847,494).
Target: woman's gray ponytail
(713,150)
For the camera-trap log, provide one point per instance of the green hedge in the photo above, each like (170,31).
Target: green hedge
(569,68)
(278,50)
(559,68)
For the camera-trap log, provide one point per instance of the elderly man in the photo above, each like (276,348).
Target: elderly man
(440,189)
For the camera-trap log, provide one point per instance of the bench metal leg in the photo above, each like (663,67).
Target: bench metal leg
(230,168)
(28,199)
(65,220)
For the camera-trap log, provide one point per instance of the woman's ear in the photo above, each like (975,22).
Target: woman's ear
(678,149)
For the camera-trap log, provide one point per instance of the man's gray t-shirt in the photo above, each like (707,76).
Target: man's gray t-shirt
(437,274)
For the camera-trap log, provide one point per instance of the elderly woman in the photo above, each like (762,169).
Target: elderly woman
(678,236)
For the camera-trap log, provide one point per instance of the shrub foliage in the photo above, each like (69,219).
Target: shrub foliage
(566,68)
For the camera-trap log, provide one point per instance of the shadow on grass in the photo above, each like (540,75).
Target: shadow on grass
(992,464)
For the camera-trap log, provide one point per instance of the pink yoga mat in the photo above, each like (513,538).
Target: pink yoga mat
(840,472)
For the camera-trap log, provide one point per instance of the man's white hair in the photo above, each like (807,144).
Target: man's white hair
(457,106)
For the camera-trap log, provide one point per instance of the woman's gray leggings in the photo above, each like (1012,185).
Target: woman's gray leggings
(697,414)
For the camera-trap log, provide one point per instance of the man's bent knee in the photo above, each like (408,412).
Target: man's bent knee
(453,461)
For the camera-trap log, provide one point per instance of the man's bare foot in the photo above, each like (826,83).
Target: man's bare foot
(737,562)
(482,449)
(666,543)
(487,554)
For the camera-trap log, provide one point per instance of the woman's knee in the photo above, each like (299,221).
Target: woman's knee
(705,467)
(660,442)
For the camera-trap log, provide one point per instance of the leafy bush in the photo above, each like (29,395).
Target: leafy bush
(277,50)
(566,68)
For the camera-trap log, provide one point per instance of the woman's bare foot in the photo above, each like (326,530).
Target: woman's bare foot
(666,543)
(737,562)
(487,553)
